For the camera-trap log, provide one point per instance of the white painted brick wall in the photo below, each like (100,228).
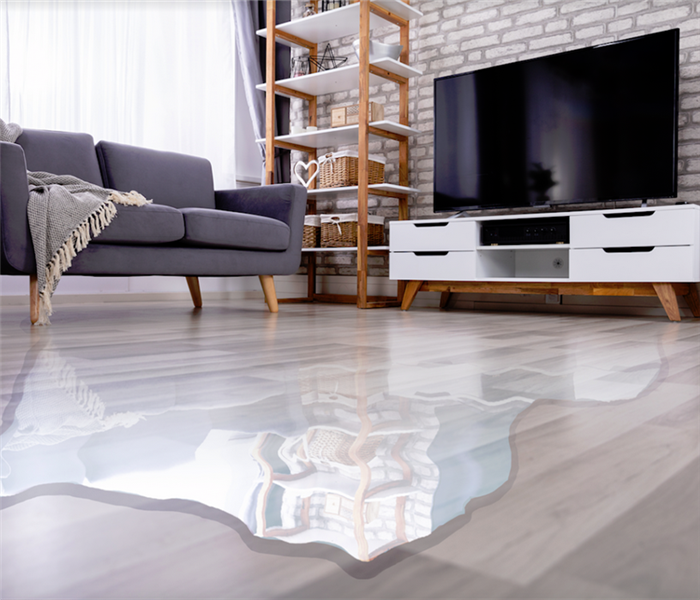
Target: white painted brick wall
(456,36)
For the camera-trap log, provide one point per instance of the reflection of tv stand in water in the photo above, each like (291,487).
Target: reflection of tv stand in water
(647,251)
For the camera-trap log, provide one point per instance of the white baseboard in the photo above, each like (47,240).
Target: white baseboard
(105,298)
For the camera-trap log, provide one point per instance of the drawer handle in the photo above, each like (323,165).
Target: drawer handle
(628,249)
(428,224)
(432,253)
(646,213)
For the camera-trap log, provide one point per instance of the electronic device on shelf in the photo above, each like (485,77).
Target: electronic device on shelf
(552,230)
(590,125)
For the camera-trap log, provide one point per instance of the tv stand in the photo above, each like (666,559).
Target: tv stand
(646,251)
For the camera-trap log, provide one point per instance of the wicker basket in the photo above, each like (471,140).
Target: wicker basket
(340,231)
(339,169)
(312,232)
(330,446)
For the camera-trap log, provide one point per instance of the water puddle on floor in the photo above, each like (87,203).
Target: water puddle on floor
(365,459)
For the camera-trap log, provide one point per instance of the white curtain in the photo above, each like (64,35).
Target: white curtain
(153,73)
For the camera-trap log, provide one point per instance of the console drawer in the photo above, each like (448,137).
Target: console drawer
(432,235)
(660,264)
(438,266)
(652,227)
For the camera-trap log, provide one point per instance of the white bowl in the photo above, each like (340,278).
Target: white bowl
(378,50)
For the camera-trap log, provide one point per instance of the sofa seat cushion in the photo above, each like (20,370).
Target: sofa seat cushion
(150,224)
(224,229)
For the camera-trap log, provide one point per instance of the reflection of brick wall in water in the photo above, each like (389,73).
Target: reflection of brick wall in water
(331,508)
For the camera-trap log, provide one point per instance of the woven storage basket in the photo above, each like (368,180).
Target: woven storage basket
(328,445)
(340,231)
(312,232)
(339,169)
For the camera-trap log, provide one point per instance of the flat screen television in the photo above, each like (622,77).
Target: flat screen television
(590,125)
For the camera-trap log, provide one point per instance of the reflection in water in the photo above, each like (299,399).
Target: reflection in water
(364,459)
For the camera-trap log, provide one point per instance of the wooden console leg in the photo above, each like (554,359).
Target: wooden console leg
(195,292)
(667,295)
(409,294)
(445,299)
(400,289)
(693,299)
(268,286)
(33,299)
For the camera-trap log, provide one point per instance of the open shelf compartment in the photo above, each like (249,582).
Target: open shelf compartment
(341,79)
(340,22)
(341,136)
(379,187)
(523,263)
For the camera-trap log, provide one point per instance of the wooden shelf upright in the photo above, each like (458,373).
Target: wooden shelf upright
(307,33)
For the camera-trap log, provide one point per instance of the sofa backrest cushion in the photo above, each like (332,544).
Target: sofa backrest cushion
(61,153)
(176,180)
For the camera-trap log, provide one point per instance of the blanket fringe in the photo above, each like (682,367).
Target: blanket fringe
(88,401)
(91,227)
(132,198)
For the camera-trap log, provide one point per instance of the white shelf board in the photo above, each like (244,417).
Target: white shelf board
(527,247)
(340,22)
(342,79)
(340,136)
(383,187)
(393,127)
(351,249)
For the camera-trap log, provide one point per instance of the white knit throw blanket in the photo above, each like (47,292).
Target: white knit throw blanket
(9,132)
(64,214)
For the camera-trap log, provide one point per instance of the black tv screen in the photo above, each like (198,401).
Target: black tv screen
(588,125)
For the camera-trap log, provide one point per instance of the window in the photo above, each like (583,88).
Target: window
(154,73)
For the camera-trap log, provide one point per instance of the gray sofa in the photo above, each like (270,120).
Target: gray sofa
(189,230)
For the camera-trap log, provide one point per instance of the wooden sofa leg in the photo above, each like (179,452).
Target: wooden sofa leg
(33,299)
(268,286)
(195,292)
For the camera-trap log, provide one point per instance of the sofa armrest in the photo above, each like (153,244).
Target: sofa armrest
(284,202)
(17,247)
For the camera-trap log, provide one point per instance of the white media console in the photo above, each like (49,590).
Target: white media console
(648,251)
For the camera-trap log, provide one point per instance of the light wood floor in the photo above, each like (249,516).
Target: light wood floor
(592,479)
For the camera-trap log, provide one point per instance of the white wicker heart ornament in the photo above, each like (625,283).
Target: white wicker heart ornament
(306,166)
